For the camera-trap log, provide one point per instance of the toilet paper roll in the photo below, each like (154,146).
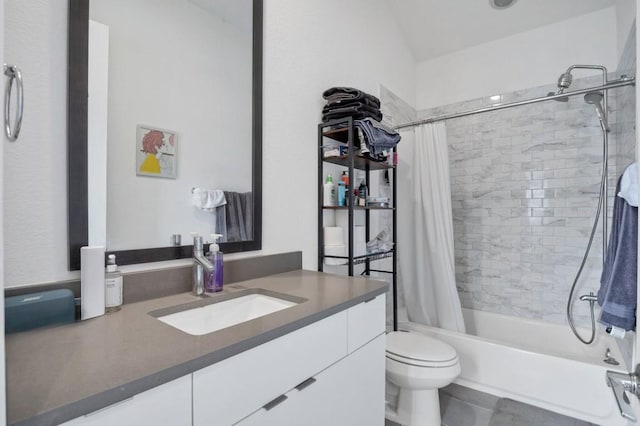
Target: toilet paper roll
(329,218)
(335,250)
(333,236)
(342,220)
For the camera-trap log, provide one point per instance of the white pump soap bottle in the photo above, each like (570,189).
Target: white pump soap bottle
(113,285)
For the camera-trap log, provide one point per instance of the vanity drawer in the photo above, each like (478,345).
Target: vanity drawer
(366,321)
(168,404)
(229,390)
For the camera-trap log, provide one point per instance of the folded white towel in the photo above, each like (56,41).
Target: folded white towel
(208,199)
(629,185)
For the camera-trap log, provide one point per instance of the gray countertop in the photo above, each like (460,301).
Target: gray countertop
(59,373)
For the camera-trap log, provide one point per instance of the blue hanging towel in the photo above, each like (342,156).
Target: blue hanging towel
(618,283)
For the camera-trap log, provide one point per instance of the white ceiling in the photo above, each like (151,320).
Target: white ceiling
(436,27)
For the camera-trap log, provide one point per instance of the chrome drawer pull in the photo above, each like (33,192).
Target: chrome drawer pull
(306,383)
(279,400)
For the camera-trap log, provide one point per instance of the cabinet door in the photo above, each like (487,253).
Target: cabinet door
(350,392)
(366,321)
(229,390)
(168,404)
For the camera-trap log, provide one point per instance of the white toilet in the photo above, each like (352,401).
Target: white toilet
(418,365)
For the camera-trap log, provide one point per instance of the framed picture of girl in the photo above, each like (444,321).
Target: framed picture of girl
(156,152)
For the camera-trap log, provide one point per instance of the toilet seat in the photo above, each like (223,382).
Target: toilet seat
(419,350)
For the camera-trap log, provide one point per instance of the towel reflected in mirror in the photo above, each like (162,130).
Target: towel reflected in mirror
(234,220)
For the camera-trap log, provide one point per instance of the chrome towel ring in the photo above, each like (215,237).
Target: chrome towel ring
(14,74)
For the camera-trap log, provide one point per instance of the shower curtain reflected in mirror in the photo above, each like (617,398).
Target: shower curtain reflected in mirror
(425,229)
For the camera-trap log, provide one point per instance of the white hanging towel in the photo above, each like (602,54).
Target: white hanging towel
(208,199)
(629,185)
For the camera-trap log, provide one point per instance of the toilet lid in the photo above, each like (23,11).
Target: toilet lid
(419,347)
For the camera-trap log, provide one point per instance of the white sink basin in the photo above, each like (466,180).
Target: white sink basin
(218,315)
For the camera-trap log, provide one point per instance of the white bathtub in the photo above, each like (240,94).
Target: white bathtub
(534,362)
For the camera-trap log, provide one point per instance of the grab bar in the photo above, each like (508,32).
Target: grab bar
(624,382)
(13,72)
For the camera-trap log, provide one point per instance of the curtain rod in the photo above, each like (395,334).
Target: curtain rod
(624,81)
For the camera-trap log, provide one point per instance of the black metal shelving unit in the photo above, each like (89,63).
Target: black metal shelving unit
(342,132)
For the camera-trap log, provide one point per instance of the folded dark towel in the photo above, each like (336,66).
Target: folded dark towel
(363,103)
(351,102)
(355,106)
(356,115)
(618,283)
(378,137)
(337,94)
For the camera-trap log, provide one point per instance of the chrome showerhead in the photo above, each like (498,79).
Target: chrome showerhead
(595,99)
(564,81)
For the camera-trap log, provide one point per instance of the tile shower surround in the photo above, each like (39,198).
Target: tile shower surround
(524,188)
(525,185)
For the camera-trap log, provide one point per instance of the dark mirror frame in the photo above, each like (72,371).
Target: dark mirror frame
(77,167)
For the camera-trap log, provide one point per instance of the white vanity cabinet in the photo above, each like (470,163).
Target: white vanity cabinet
(330,372)
(167,404)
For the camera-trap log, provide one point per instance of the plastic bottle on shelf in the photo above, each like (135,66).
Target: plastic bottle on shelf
(345,178)
(329,192)
(362,194)
(341,194)
(113,285)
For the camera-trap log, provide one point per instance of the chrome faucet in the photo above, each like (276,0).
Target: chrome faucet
(621,383)
(200,264)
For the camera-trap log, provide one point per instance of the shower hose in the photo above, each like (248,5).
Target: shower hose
(603,182)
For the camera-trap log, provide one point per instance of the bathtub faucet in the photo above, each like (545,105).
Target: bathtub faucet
(624,382)
(589,297)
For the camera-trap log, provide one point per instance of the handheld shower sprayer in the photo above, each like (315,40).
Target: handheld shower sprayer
(595,99)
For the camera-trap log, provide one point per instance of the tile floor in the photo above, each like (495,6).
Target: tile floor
(460,406)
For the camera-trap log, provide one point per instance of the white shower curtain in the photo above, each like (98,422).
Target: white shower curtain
(425,229)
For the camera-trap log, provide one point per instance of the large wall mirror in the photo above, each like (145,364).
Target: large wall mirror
(164,126)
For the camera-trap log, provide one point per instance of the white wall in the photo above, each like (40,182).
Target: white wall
(308,47)
(35,183)
(529,59)
(3,393)
(625,15)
